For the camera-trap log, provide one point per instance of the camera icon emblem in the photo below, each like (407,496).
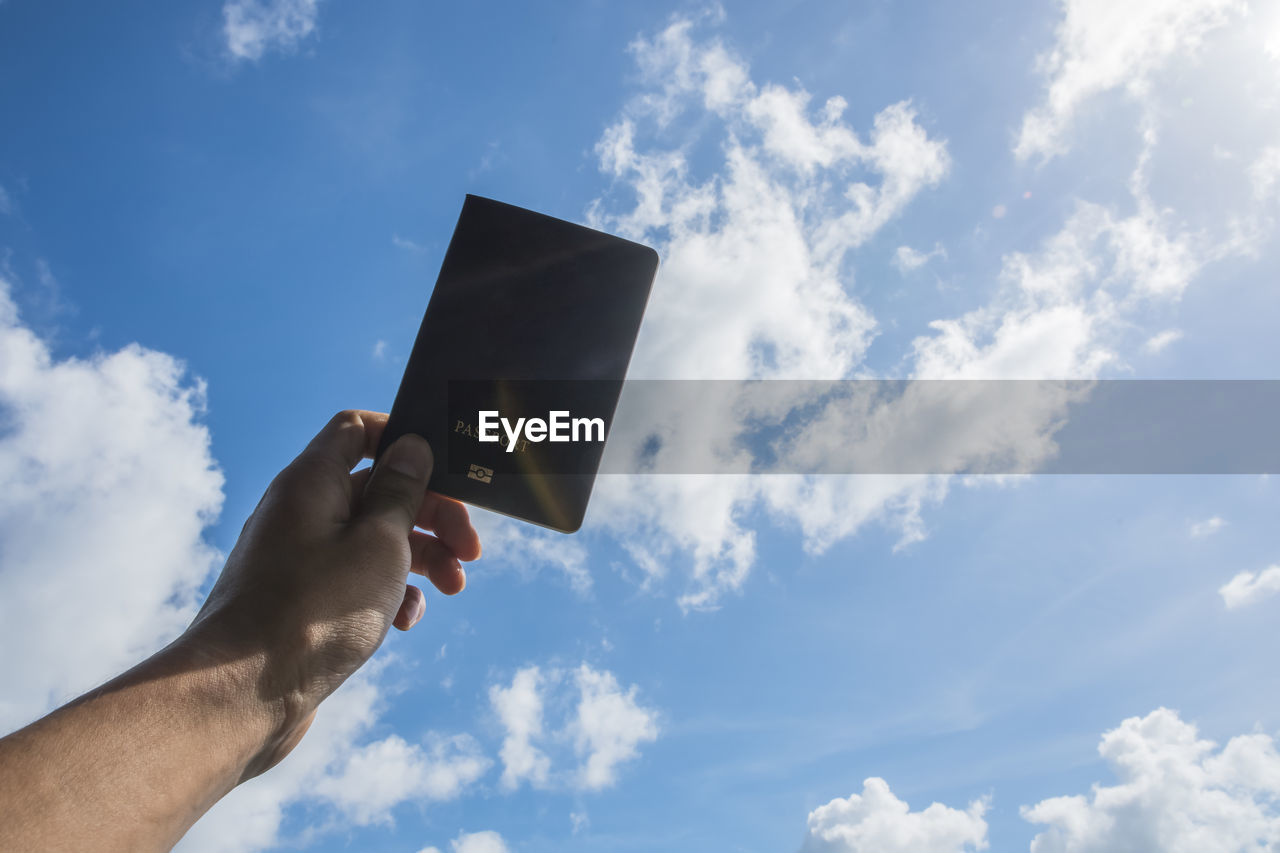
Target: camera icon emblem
(481,473)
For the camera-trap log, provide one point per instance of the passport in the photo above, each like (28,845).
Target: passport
(519,362)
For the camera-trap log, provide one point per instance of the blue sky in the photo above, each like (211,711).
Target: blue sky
(220,223)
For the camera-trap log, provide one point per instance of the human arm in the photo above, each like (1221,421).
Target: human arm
(307,595)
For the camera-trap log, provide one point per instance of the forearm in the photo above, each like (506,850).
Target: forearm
(133,764)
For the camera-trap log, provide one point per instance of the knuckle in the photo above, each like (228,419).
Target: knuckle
(286,484)
(388,526)
(348,417)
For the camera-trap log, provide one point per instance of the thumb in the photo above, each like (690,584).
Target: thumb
(399,482)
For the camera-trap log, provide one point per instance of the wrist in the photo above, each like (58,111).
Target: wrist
(241,700)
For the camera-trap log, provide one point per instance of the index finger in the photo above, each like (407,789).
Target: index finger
(349,436)
(451,522)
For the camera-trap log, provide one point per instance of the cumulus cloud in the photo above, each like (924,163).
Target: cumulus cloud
(1160,341)
(1102,46)
(487,841)
(519,708)
(758,242)
(1064,308)
(1070,308)
(1174,792)
(524,548)
(361,782)
(1250,587)
(691,523)
(604,724)
(251,28)
(755,250)
(608,727)
(374,778)
(876,821)
(759,197)
(108,486)
(793,189)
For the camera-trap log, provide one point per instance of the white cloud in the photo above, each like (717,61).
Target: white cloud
(907,259)
(361,782)
(524,548)
(794,190)
(1069,309)
(604,724)
(379,350)
(1207,527)
(1175,793)
(755,259)
(1160,341)
(1065,308)
(519,708)
(908,162)
(1250,587)
(692,522)
(107,484)
(876,821)
(755,256)
(374,778)
(758,197)
(609,727)
(474,842)
(479,842)
(254,27)
(1102,46)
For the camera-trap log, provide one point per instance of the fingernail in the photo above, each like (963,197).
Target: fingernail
(422,608)
(410,455)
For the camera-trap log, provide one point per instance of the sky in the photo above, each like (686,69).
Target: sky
(220,223)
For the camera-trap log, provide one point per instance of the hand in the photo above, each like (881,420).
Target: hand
(318,574)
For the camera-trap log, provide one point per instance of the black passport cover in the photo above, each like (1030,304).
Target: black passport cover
(529,315)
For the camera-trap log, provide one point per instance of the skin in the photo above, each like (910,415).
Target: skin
(315,581)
